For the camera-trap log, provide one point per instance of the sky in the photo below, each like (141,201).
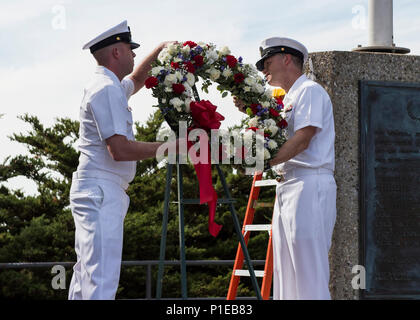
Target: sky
(43,68)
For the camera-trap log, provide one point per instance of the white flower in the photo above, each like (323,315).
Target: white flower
(177,103)
(172,49)
(214,74)
(247,89)
(186,49)
(250,81)
(273,130)
(190,79)
(269,123)
(157,70)
(168,89)
(267,154)
(163,133)
(212,56)
(170,79)
(268,93)
(272,144)
(179,75)
(224,51)
(265,104)
(259,88)
(253,122)
(227,73)
(163,54)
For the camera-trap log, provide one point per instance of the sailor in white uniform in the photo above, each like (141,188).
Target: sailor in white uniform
(305,207)
(107,163)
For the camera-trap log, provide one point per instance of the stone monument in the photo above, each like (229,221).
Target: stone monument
(376,102)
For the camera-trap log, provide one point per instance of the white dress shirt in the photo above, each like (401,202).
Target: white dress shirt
(104,112)
(310,106)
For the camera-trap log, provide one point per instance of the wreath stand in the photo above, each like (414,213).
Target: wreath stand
(181,202)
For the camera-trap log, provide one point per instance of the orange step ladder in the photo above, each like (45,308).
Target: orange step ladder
(267,274)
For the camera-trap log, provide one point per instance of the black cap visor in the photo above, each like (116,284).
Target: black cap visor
(134,45)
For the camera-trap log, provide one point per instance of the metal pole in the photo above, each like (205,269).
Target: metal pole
(380,23)
(149,281)
(164,230)
(181,231)
(241,238)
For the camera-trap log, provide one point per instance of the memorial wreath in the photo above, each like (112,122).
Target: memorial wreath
(173,79)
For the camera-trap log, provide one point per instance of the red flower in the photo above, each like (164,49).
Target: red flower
(174,65)
(189,66)
(239,77)
(192,44)
(151,82)
(254,108)
(178,88)
(199,60)
(205,116)
(282,124)
(274,113)
(279,100)
(231,61)
(252,128)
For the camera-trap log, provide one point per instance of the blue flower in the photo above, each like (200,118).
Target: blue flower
(240,59)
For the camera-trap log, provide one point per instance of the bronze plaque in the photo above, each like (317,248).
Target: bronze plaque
(390,189)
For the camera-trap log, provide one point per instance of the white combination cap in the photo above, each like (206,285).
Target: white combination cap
(119,33)
(275,45)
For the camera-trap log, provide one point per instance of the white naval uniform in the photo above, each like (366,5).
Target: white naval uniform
(97,197)
(305,206)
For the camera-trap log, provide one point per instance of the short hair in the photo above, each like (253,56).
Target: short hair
(297,61)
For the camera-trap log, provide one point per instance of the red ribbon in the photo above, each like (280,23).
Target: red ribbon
(205,117)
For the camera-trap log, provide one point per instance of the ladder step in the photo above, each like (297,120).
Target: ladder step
(245,273)
(256,204)
(265,183)
(258,227)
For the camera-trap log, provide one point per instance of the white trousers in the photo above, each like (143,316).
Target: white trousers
(302,227)
(98,207)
